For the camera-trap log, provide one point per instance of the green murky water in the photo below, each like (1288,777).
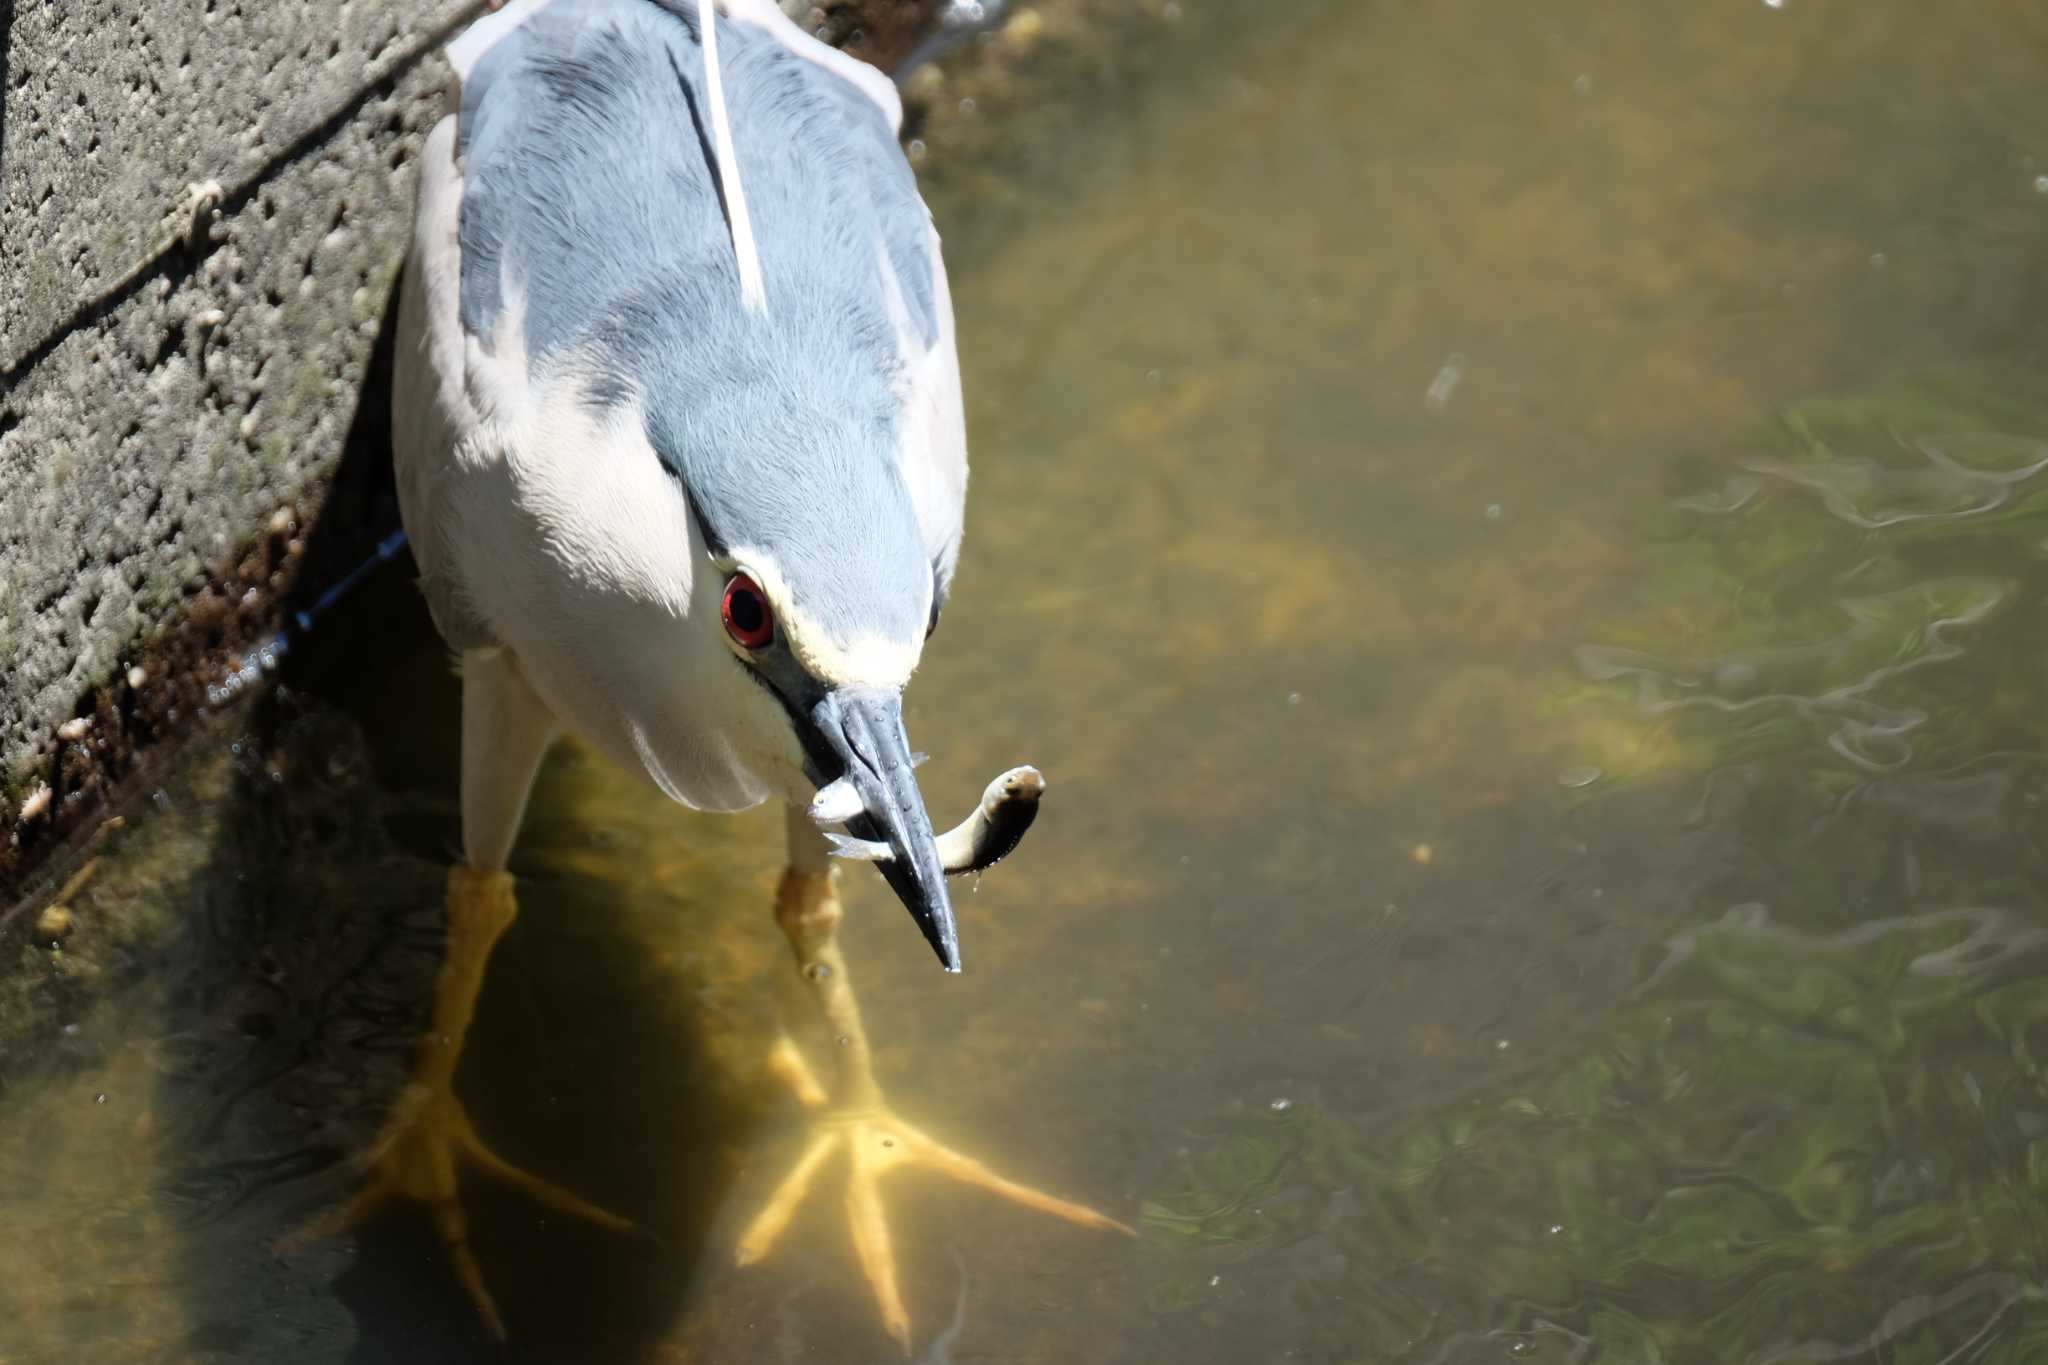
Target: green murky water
(1518,536)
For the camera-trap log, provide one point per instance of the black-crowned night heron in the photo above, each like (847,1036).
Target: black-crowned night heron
(682,458)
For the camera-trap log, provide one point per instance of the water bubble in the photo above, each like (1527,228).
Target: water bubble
(1556,1228)
(1494,511)
(1582,86)
(1774,4)
(967,105)
(1877,260)
(1579,775)
(844,1040)
(1171,12)
(1448,377)
(1735,676)
(1294,698)
(1502,1044)
(100,1098)
(817,971)
(1280,1105)
(2041,184)
(1215,1280)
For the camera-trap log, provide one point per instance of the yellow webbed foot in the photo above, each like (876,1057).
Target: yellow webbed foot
(428,1138)
(877,1142)
(418,1156)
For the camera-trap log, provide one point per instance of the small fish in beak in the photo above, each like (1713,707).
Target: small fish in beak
(979,842)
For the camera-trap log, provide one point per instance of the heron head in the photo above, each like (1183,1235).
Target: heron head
(825,596)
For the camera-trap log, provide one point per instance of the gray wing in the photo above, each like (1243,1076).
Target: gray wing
(432,414)
(934,449)
(592,202)
(590,182)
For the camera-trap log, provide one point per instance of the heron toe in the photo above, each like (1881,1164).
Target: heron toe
(876,1142)
(853,1118)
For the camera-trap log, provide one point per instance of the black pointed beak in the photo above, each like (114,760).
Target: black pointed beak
(862,728)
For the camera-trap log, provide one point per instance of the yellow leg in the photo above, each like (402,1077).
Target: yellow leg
(855,1116)
(429,1135)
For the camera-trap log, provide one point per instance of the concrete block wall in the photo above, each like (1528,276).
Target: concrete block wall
(178,364)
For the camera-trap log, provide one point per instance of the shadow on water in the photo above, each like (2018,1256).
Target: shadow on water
(252,1030)
(579,1066)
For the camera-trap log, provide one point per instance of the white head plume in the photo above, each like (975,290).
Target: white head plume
(753,294)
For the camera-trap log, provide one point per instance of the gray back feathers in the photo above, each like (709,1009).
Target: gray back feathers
(591,188)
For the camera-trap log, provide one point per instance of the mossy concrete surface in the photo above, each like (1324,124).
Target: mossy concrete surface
(202,204)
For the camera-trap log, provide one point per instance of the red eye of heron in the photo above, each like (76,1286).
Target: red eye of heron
(745,609)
